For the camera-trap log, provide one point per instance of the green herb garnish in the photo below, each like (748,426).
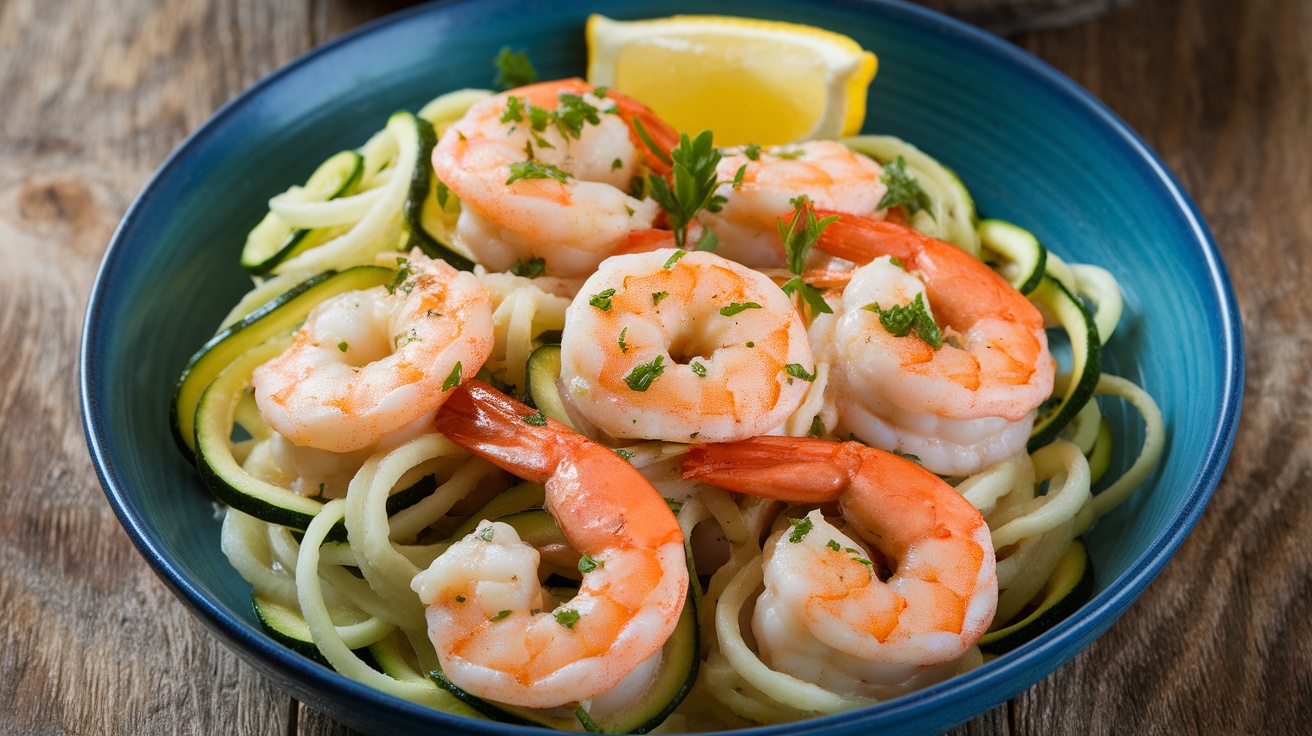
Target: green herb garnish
(536,420)
(588,563)
(500,615)
(485,533)
(601,300)
(624,348)
(903,189)
(640,378)
(567,617)
(736,307)
(535,170)
(452,380)
(673,259)
(532,268)
(801,527)
(513,69)
(657,296)
(694,161)
(902,320)
(342,346)
(698,369)
(797,371)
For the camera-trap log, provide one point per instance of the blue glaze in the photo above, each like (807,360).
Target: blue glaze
(1031,145)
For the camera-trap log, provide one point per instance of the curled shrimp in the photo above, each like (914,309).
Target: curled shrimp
(829,614)
(531,187)
(367,364)
(959,407)
(659,345)
(495,633)
(830,174)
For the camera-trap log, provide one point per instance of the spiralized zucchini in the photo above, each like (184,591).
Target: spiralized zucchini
(356,593)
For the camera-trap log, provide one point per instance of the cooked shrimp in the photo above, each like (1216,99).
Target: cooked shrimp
(830,174)
(497,634)
(685,347)
(370,363)
(545,190)
(960,407)
(828,615)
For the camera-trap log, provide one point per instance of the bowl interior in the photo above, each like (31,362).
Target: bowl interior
(1030,146)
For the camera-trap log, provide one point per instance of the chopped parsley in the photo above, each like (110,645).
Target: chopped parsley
(657,296)
(801,527)
(452,380)
(514,112)
(736,307)
(588,563)
(673,259)
(624,348)
(616,164)
(902,320)
(602,300)
(342,346)
(623,453)
(800,235)
(513,69)
(460,599)
(908,456)
(402,273)
(405,338)
(831,544)
(534,170)
(817,427)
(790,155)
(698,368)
(532,268)
(903,189)
(500,615)
(485,533)
(567,617)
(536,420)
(443,193)
(640,378)
(797,371)
(573,113)
(752,152)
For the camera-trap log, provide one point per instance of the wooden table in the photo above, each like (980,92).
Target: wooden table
(96,94)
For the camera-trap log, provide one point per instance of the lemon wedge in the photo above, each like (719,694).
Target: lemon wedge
(750,81)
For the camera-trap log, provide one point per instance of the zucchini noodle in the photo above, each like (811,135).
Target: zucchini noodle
(336,539)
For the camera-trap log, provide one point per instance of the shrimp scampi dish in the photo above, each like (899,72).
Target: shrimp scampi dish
(549,413)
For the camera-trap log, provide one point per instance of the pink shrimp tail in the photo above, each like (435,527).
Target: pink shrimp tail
(497,428)
(790,469)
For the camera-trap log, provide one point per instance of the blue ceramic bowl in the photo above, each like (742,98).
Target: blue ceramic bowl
(1032,146)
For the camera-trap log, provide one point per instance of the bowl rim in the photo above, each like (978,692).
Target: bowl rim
(1044,654)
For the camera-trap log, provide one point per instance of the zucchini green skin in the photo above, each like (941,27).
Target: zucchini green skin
(278,315)
(1070,586)
(287,627)
(543,381)
(220,471)
(1086,350)
(422,186)
(1026,257)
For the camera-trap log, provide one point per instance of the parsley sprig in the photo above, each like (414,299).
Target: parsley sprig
(800,235)
(903,189)
(534,170)
(694,161)
(513,69)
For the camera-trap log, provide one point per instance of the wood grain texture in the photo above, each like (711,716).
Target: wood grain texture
(97,93)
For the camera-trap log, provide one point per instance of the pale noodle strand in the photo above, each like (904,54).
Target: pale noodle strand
(1067,470)
(729,687)
(1154,440)
(388,571)
(1027,571)
(408,523)
(1097,285)
(780,687)
(725,509)
(324,633)
(984,489)
(245,541)
(1083,429)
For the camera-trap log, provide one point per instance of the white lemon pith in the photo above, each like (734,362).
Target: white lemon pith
(750,81)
